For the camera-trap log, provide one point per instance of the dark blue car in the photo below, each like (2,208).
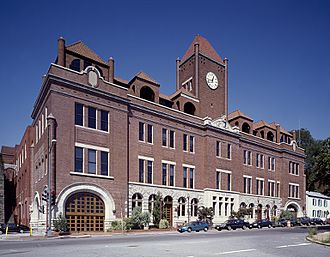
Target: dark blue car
(194,226)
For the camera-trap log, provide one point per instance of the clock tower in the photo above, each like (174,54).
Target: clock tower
(203,76)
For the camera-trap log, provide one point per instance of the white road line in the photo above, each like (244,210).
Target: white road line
(285,246)
(238,251)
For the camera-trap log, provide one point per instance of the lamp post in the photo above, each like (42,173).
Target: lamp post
(51,123)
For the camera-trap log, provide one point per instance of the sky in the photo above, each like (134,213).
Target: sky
(278,51)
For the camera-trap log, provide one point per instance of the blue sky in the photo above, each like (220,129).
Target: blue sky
(278,51)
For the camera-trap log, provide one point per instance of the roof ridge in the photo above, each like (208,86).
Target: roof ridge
(93,55)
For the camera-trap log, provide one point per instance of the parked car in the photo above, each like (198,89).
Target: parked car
(233,224)
(284,222)
(263,223)
(194,226)
(12,227)
(327,221)
(304,221)
(317,221)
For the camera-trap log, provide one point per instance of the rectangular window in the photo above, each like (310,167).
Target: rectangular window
(104,120)
(141,170)
(217,179)
(249,159)
(247,185)
(261,161)
(172,140)
(191,177)
(171,175)
(104,163)
(273,163)
(150,130)
(185,142)
(92,117)
(141,131)
(164,173)
(149,172)
(229,151)
(228,181)
(79,157)
(191,144)
(218,149)
(257,160)
(245,157)
(271,188)
(185,176)
(260,187)
(278,189)
(91,161)
(164,137)
(79,114)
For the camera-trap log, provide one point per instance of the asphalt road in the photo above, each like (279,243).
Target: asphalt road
(264,242)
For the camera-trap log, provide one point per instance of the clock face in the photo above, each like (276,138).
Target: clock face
(212,80)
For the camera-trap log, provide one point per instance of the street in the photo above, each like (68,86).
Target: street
(256,242)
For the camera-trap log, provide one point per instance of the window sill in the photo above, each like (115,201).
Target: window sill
(91,175)
(92,129)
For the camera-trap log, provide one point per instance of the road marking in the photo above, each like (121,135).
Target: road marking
(238,251)
(285,246)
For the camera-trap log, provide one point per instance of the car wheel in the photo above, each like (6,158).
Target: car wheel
(244,227)
(269,226)
(206,229)
(21,231)
(229,228)
(259,226)
(189,230)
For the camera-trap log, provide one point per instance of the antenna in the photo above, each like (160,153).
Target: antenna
(299,138)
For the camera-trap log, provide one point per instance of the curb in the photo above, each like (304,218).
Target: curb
(68,237)
(316,241)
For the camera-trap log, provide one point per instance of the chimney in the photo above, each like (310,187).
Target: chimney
(61,51)
(278,133)
(178,61)
(196,50)
(111,70)
(226,87)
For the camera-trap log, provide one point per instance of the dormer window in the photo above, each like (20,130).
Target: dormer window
(189,108)
(87,63)
(246,128)
(147,93)
(75,65)
(270,136)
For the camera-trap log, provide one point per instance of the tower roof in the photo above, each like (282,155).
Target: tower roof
(204,47)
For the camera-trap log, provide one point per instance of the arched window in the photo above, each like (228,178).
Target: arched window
(151,203)
(270,136)
(251,207)
(136,200)
(87,63)
(242,205)
(267,211)
(246,127)
(194,207)
(274,210)
(75,65)
(236,124)
(182,207)
(147,93)
(262,134)
(189,108)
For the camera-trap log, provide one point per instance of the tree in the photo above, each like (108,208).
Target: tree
(139,218)
(205,214)
(158,210)
(317,162)
(242,212)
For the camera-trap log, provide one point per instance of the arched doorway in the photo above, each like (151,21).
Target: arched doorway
(267,212)
(84,211)
(259,212)
(168,209)
(293,209)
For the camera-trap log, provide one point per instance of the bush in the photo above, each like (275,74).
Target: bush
(286,215)
(164,224)
(61,224)
(312,232)
(139,218)
(118,225)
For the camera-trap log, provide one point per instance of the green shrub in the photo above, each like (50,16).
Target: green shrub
(312,232)
(61,224)
(163,223)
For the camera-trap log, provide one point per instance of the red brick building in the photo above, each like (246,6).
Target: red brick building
(119,143)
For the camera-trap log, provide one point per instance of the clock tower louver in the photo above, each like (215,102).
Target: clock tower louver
(203,75)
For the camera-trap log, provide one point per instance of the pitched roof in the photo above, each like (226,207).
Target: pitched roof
(238,113)
(81,49)
(145,76)
(260,124)
(282,130)
(204,47)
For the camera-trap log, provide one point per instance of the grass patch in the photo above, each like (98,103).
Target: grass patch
(312,232)
(326,240)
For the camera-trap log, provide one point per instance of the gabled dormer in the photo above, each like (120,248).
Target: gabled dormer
(240,120)
(143,86)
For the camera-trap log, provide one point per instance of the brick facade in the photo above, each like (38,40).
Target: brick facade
(141,122)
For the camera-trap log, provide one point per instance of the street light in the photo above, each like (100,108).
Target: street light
(51,143)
